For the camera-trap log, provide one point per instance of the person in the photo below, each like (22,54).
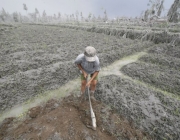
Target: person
(88,63)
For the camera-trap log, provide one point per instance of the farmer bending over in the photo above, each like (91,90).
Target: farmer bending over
(88,63)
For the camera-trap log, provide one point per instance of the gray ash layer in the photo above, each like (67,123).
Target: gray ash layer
(151,111)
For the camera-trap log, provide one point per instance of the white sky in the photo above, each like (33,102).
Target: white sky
(114,8)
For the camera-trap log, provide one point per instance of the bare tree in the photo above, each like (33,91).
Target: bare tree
(3,14)
(20,17)
(59,16)
(44,15)
(146,15)
(89,16)
(25,7)
(161,7)
(156,7)
(155,10)
(67,17)
(37,13)
(93,18)
(72,18)
(82,18)
(105,16)
(32,16)
(173,11)
(178,14)
(99,18)
(54,17)
(15,17)
(77,15)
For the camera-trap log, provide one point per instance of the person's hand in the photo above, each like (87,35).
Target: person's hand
(85,74)
(88,83)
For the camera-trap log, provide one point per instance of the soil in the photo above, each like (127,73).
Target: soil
(67,119)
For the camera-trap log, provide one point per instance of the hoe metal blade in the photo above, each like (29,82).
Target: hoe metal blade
(93,118)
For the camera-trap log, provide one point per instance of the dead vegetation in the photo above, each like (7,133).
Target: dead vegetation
(155,113)
(161,36)
(164,61)
(163,78)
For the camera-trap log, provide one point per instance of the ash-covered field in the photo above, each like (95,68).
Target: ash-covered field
(37,58)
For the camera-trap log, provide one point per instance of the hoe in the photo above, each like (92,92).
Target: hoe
(93,118)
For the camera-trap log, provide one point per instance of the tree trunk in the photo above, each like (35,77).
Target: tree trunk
(146,15)
(160,8)
(172,13)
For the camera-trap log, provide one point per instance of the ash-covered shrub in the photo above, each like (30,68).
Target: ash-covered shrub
(164,78)
(24,85)
(132,33)
(115,53)
(162,60)
(164,49)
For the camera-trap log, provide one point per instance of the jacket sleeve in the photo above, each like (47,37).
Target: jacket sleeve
(97,65)
(78,59)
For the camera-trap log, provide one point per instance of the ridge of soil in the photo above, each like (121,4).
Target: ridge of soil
(68,119)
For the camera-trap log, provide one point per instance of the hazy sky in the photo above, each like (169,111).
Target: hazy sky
(114,8)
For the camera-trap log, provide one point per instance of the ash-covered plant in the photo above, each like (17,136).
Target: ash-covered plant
(16,17)
(25,7)
(159,77)
(174,12)
(154,112)
(156,7)
(3,14)
(162,60)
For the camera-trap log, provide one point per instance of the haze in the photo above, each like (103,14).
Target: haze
(114,8)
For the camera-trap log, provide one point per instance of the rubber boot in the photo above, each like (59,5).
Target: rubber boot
(92,96)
